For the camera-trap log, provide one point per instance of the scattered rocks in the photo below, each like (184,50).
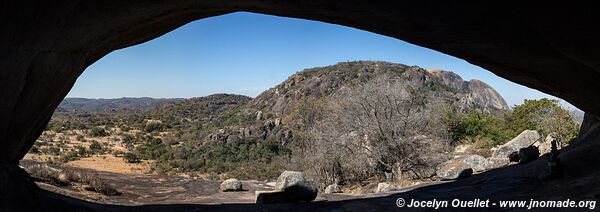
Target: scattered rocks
(333,188)
(291,186)
(525,139)
(385,187)
(231,185)
(452,170)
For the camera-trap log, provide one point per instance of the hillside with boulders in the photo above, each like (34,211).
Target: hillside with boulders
(345,125)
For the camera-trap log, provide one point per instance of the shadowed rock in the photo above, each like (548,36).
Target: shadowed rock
(291,186)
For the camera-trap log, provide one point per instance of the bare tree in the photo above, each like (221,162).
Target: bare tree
(385,125)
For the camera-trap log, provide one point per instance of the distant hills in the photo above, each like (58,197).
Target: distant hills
(112,105)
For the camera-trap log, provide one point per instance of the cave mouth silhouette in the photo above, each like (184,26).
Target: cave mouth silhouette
(47,45)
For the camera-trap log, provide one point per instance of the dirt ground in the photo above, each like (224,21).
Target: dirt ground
(110,163)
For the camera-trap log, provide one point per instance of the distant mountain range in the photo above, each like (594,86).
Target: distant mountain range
(112,105)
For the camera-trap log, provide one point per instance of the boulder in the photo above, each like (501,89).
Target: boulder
(454,170)
(291,186)
(475,162)
(385,187)
(333,188)
(492,162)
(528,154)
(231,185)
(525,139)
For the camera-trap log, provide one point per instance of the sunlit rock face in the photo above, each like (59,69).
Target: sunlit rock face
(46,45)
(478,93)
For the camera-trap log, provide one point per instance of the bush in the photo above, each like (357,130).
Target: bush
(98,132)
(80,138)
(153,127)
(131,158)
(95,147)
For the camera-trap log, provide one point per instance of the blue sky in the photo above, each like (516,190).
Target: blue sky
(247,53)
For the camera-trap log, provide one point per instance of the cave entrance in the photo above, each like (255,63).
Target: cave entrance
(128,142)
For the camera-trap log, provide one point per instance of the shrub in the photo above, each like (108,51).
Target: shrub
(95,147)
(131,158)
(98,132)
(153,127)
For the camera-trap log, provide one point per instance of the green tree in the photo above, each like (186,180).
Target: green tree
(547,117)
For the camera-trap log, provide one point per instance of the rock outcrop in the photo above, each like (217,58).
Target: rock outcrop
(477,93)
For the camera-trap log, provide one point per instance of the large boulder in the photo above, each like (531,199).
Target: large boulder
(291,186)
(333,188)
(231,185)
(475,162)
(385,187)
(523,140)
(454,170)
(492,163)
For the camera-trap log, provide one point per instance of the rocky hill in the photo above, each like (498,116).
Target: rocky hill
(324,81)
(234,118)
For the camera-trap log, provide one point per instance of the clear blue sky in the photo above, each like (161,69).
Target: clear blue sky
(247,53)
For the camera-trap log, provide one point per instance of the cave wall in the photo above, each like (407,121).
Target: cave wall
(46,45)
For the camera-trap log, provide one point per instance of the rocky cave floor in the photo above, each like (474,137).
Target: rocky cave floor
(516,182)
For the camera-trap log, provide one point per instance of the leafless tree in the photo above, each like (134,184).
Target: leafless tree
(385,125)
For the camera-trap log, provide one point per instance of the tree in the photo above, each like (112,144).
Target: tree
(475,125)
(384,125)
(547,117)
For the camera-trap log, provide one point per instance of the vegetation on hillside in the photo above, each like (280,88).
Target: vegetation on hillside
(346,123)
